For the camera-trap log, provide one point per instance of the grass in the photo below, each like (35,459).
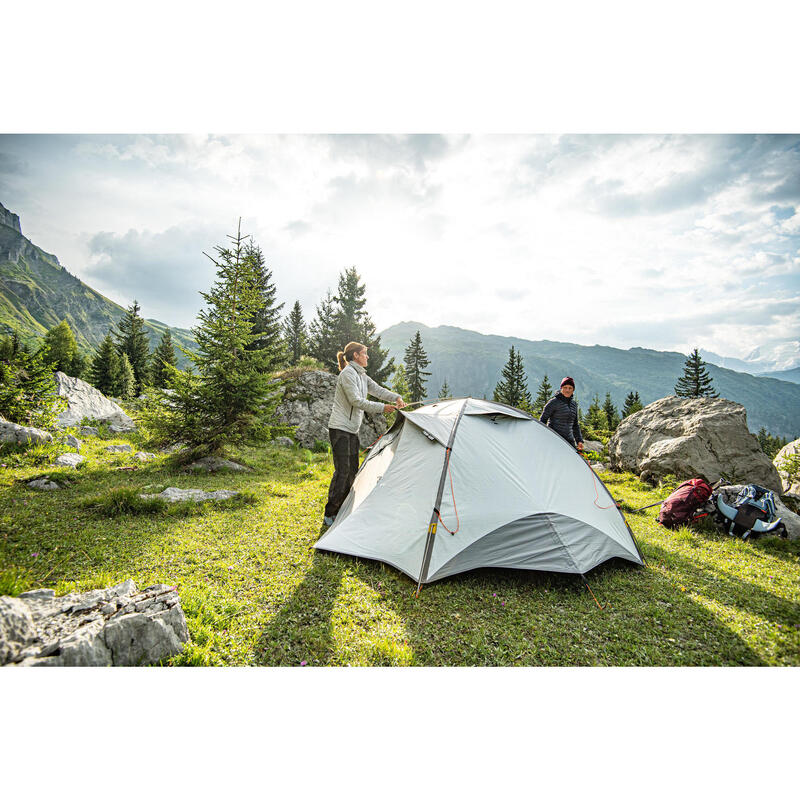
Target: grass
(255,593)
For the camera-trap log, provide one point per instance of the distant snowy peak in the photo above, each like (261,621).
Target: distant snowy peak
(766,358)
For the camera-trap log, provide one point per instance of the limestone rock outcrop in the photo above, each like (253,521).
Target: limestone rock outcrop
(790,479)
(20,434)
(120,626)
(691,437)
(84,400)
(307,403)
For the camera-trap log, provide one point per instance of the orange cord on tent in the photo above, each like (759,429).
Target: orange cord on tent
(453,495)
(597,494)
(602,608)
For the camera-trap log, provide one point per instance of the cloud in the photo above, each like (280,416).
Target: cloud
(11,165)
(297,227)
(414,150)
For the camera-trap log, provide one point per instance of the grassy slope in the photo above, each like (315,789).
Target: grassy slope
(255,592)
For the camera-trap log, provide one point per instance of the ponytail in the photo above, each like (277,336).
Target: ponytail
(346,355)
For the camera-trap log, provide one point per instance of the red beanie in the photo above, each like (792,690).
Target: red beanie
(567,382)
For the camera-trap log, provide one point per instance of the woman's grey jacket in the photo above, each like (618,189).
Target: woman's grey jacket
(350,398)
(563,417)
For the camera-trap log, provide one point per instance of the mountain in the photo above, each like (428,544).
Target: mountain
(766,360)
(791,375)
(36,293)
(471,363)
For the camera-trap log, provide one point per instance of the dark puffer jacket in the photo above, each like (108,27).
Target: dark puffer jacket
(562,416)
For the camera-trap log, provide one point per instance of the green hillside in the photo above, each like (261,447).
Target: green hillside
(36,293)
(471,363)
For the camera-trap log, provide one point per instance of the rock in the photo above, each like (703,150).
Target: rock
(84,400)
(592,446)
(691,437)
(96,628)
(43,483)
(173,495)
(71,441)
(144,456)
(119,448)
(788,517)
(119,429)
(215,464)
(69,460)
(307,403)
(88,430)
(790,480)
(283,441)
(17,629)
(599,467)
(12,433)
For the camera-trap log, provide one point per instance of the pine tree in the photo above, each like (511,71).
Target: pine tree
(513,388)
(612,417)
(543,394)
(416,360)
(28,393)
(228,399)
(267,325)
(323,342)
(695,381)
(400,381)
(164,354)
(132,340)
(632,404)
(378,368)
(444,392)
(127,380)
(595,416)
(105,369)
(294,333)
(61,349)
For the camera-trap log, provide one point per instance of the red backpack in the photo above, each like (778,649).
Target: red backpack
(681,506)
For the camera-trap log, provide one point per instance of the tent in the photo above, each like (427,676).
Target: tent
(466,483)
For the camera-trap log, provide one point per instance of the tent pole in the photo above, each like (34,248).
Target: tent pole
(426,556)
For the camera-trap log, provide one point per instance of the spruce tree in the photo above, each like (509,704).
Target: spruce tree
(416,360)
(163,355)
(632,404)
(513,388)
(595,416)
(228,399)
(612,417)
(267,324)
(323,343)
(444,392)
(105,369)
(28,394)
(543,395)
(695,381)
(400,382)
(294,333)
(127,381)
(131,339)
(61,349)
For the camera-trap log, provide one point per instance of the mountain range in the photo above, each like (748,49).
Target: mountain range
(471,363)
(36,293)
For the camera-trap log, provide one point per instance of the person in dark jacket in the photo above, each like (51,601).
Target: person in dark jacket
(561,414)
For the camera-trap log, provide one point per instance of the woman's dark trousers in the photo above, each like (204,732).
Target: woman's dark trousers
(345,465)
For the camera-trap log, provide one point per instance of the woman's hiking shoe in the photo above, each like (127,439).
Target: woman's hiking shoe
(329,521)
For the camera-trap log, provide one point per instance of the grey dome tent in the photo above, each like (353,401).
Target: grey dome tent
(461,484)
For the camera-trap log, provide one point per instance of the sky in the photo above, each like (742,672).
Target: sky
(660,241)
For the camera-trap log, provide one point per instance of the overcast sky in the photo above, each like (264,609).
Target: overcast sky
(668,242)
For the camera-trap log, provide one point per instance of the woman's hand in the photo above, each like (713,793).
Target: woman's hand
(400,403)
(388,408)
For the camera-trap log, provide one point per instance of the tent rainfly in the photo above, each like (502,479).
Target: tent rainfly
(461,484)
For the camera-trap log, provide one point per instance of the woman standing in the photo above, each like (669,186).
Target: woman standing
(349,404)
(561,414)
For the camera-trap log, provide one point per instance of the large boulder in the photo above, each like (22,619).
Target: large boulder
(790,479)
(84,400)
(20,434)
(690,437)
(307,403)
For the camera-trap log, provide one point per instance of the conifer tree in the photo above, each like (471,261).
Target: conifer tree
(61,349)
(228,398)
(695,381)
(513,388)
(267,324)
(323,343)
(543,394)
(632,404)
(400,382)
(444,392)
(131,339)
(595,416)
(612,417)
(416,359)
(105,369)
(28,394)
(127,381)
(294,333)
(164,354)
